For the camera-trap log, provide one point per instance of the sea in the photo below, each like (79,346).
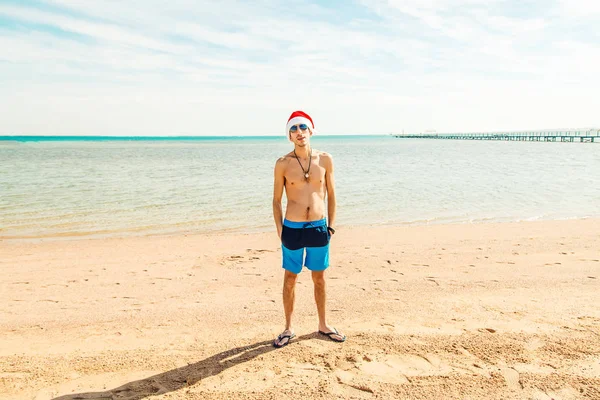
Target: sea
(65,187)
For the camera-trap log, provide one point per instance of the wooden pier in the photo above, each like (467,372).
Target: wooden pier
(586,135)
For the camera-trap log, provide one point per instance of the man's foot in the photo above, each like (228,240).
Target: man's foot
(334,335)
(284,338)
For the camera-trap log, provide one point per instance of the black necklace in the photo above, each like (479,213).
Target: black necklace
(306,173)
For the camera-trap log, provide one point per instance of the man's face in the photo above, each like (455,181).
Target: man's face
(300,134)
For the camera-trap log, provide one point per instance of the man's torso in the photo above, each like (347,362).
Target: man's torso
(305,198)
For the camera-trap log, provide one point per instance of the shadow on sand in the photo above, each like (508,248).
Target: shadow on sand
(185,376)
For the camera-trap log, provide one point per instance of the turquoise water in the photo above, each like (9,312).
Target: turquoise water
(143,186)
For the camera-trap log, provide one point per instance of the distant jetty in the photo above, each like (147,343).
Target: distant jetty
(574,135)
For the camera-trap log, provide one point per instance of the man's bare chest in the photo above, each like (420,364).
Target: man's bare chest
(299,175)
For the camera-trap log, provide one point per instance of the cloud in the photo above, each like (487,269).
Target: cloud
(154,67)
(588,9)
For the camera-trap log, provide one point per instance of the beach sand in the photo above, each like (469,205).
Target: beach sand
(489,311)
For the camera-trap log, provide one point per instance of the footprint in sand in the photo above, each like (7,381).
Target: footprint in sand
(382,371)
(512,378)
(587,317)
(394,369)
(534,344)
(349,379)
(250,256)
(432,279)
(472,363)
(539,395)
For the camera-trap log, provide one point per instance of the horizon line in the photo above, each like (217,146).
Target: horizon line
(142,137)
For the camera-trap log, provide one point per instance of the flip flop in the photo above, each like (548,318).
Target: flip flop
(277,342)
(335,332)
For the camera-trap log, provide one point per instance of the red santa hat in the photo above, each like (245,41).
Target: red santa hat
(299,117)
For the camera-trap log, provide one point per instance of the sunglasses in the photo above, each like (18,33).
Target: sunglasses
(302,127)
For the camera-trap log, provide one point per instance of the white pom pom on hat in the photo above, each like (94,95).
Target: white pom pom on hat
(299,117)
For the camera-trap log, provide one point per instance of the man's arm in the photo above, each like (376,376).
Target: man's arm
(278,194)
(330,184)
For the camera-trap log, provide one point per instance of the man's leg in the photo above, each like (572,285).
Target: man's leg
(318,278)
(289,298)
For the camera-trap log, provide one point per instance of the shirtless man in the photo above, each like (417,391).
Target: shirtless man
(306,175)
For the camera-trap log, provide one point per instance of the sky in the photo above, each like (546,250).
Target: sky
(192,67)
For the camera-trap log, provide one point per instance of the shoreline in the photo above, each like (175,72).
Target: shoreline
(124,234)
(504,310)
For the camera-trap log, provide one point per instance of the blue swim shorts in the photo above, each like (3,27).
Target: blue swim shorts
(305,238)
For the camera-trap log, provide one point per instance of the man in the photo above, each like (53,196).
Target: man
(306,175)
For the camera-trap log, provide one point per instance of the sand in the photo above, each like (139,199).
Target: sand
(489,311)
